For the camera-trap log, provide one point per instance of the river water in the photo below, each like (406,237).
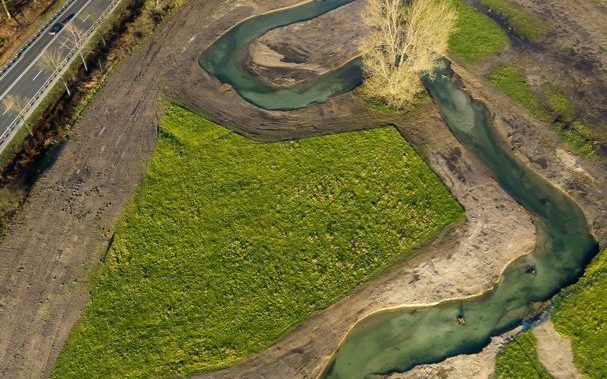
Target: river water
(396,340)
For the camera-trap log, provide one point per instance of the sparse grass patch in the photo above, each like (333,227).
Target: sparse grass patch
(558,102)
(579,136)
(556,109)
(511,81)
(476,36)
(11,198)
(581,314)
(230,243)
(524,23)
(519,360)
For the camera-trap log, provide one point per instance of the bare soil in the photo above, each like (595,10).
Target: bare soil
(68,219)
(555,352)
(301,51)
(572,56)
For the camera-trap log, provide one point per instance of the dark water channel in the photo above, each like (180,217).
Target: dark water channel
(398,339)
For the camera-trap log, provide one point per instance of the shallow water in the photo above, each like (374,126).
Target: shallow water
(397,340)
(225,58)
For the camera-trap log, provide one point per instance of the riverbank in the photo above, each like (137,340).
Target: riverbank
(46,286)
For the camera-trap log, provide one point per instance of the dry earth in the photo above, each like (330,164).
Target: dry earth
(69,217)
(572,56)
(555,352)
(301,51)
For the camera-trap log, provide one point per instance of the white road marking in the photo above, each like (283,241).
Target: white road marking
(39,72)
(6,111)
(39,55)
(86,18)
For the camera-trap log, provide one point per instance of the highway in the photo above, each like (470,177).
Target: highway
(28,77)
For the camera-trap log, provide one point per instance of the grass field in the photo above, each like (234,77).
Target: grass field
(524,23)
(229,243)
(477,36)
(519,360)
(581,314)
(551,106)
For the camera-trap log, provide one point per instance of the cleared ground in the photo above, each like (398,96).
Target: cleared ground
(230,242)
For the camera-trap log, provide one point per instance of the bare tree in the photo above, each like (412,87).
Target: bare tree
(8,13)
(16,104)
(52,60)
(76,37)
(406,39)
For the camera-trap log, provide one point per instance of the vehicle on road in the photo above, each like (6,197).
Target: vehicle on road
(56,28)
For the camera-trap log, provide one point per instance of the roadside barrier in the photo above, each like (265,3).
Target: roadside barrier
(17,55)
(55,75)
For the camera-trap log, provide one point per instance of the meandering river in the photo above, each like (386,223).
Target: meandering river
(396,340)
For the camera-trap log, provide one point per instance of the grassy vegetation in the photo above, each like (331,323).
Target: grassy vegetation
(581,314)
(519,360)
(524,23)
(511,81)
(477,36)
(229,243)
(558,102)
(551,106)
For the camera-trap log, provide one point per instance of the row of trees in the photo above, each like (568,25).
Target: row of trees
(406,39)
(51,60)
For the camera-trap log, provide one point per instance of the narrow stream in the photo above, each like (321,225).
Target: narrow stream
(399,339)
(226,56)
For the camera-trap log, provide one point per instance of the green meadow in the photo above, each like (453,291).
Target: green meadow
(581,314)
(476,35)
(229,243)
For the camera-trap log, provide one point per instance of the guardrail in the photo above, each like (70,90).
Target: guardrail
(17,55)
(56,74)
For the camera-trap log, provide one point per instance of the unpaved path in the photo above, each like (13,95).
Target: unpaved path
(68,219)
(555,352)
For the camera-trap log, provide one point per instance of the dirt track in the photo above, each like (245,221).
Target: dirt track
(68,219)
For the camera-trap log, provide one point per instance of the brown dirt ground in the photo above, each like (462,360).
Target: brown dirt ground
(55,242)
(555,352)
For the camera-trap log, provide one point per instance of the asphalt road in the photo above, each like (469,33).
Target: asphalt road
(28,76)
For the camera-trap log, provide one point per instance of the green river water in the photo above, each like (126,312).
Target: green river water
(398,339)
